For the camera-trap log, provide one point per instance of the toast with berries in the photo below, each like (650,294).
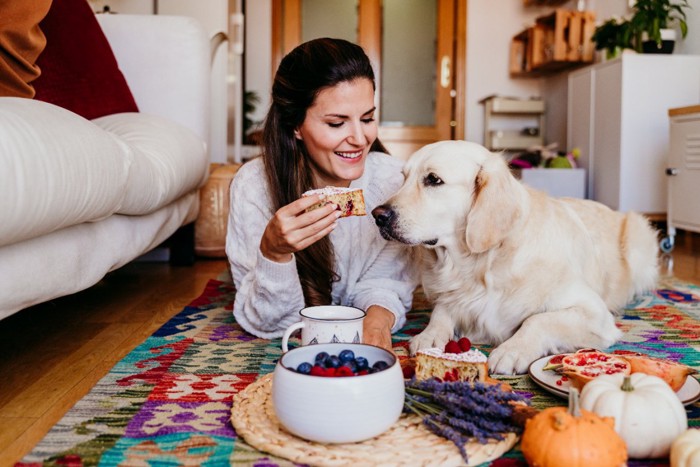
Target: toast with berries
(350,201)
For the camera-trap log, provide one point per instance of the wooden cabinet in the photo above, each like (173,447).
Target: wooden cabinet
(555,42)
(617,117)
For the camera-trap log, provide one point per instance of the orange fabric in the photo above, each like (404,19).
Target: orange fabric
(21,42)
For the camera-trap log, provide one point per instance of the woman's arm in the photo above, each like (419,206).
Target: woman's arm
(268,293)
(387,285)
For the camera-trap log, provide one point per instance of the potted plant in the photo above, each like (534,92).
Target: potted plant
(653,21)
(613,36)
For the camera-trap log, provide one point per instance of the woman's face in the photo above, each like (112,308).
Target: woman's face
(338,131)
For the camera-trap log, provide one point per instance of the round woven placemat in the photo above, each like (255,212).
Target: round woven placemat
(408,440)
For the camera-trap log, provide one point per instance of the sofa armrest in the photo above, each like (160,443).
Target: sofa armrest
(166,62)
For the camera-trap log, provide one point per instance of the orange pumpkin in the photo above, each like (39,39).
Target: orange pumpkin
(573,437)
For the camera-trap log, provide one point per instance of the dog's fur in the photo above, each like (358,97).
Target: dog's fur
(510,266)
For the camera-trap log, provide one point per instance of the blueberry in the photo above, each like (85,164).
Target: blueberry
(362,363)
(321,358)
(380,365)
(304,368)
(333,362)
(346,355)
(352,365)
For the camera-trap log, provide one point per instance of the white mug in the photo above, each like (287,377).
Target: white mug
(327,323)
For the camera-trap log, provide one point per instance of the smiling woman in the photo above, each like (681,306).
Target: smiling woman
(320,131)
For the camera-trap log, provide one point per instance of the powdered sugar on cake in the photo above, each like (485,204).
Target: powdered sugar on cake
(329,190)
(472,356)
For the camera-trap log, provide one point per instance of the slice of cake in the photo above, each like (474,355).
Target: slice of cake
(452,365)
(350,201)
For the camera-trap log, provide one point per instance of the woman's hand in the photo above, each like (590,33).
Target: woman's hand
(376,329)
(292,229)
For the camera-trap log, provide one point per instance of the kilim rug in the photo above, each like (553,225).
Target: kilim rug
(168,402)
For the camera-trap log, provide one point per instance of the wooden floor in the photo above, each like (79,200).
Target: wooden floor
(52,354)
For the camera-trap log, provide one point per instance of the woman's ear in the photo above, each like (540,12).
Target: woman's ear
(297,134)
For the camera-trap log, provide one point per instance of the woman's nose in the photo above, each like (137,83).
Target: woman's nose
(357,135)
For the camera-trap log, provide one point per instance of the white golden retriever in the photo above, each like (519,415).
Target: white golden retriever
(507,265)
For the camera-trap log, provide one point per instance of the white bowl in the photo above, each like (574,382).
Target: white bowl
(337,409)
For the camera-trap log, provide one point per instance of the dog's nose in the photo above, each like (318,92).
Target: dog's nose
(383,215)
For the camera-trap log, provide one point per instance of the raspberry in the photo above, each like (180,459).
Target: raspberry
(408,372)
(344,371)
(452,347)
(317,370)
(464,344)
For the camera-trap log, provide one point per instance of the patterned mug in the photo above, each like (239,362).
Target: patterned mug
(327,323)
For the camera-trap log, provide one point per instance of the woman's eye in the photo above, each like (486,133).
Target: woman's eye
(432,180)
(368,120)
(335,125)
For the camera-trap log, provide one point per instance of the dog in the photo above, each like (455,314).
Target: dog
(510,266)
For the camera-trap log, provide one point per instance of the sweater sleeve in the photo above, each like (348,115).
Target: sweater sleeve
(268,294)
(389,282)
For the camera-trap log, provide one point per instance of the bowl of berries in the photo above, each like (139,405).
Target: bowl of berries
(338,392)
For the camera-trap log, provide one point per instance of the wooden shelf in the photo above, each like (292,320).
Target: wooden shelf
(557,41)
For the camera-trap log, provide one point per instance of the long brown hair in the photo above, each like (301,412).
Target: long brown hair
(302,74)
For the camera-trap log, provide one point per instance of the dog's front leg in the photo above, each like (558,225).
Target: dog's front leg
(583,325)
(437,333)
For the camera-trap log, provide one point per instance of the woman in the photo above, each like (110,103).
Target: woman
(320,131)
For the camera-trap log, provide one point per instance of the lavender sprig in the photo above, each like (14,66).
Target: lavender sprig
(462,411)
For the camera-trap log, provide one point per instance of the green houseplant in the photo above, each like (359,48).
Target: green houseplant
(651,17)
(613,36)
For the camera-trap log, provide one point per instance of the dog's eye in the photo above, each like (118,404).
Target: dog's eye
(432,180)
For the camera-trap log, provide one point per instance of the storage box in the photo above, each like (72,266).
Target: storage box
(501,140)
(556,182)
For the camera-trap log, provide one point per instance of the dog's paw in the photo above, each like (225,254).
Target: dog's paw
(427,339)
(506,360)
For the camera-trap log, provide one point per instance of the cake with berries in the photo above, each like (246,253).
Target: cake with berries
(458,361)
(350,201)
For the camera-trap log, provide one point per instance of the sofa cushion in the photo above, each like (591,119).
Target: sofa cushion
(78,69)
(58,169)
(167,160)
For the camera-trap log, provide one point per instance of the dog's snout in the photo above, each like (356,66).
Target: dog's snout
(383,215)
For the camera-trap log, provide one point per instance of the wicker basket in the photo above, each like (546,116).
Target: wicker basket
(210,226)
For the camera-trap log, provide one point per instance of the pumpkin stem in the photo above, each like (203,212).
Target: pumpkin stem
(627,384)
(574,407)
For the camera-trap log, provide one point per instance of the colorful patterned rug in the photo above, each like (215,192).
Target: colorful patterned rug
(168,402)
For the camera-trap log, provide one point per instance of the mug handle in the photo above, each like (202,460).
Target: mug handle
(287,334)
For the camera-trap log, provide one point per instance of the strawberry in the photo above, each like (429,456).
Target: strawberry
(464,344)
(452,347)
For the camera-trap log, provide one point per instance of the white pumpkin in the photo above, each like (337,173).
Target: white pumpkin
(685,450)
(648,414)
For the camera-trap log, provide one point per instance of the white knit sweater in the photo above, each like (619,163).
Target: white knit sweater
(372,271)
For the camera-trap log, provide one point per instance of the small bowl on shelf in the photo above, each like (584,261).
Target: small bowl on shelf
(337,409)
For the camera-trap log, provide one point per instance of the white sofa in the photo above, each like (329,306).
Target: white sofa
(81,198)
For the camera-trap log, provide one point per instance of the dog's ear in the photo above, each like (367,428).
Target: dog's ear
(496,205)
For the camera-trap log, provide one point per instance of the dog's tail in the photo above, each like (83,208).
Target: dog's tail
(640,249)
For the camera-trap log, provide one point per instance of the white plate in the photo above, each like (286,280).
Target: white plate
(689,393)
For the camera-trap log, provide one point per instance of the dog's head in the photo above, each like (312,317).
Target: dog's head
(454,192)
